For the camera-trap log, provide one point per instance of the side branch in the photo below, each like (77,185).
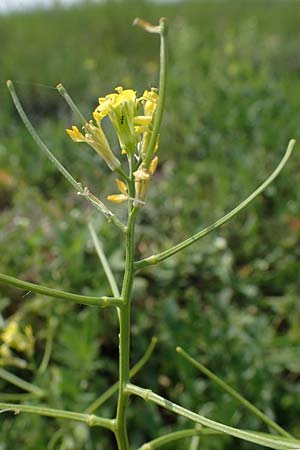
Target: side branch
(90,419)
(103,302)
(105,264)
(38,140)
(155,259)
(234,394)
(175,436)
(77,186)
(22,384)
(257,438)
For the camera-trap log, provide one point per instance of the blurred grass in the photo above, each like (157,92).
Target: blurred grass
(233,299)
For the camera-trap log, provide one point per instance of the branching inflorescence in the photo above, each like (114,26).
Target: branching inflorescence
(137,122)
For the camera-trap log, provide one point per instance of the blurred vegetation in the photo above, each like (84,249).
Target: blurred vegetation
(232,300)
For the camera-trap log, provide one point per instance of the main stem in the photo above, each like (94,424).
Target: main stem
(124,309)
(124,336)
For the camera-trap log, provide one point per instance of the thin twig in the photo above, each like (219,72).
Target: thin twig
(176,435)
(155,259)
(102,257)
(17,381)
(103,302)
(234,394)
(89,419)
(84,191)
(270,441)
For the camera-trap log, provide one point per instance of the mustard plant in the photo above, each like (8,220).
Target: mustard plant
(137,123)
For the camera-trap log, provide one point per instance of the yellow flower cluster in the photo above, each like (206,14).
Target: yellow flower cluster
(133,129)
(14,338)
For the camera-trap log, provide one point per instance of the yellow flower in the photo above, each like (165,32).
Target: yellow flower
(150,101)
(119,198)
(121,108)
(75,135)
(13,338)
(4,351)
(142,123)
(133,129)
(95,138)
(11,333)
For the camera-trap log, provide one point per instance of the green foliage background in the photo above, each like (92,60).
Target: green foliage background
(232,300)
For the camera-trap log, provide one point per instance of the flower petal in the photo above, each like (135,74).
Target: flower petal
(121,186)
(75,134)
(142,120)
(117,198)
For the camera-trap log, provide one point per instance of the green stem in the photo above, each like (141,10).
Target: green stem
(114,388)
(194,443)
(99,205)
(155,259)
(124,349)
(124,310)
(233,393)
(103,302)
(25,385)
(89,419)
(38,140)
(48,348)
(55,438)
(176,435)
(106,267)
(257,438)
(61,89)
(124,337)
(122,174)
(162,93)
